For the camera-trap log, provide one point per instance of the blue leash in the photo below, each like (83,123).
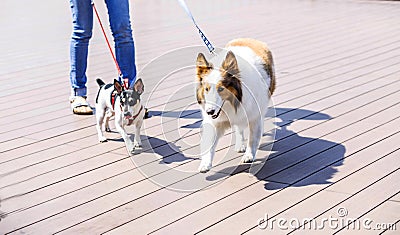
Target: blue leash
(210,47)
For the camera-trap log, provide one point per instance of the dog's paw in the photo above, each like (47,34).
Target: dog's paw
(240,148)
(102,139)
(131,150)
(137,145)
(247,158)
(203,168)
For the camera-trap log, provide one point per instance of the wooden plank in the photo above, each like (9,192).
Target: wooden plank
(12,144)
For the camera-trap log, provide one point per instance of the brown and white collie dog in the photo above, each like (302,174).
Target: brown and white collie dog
(233,90)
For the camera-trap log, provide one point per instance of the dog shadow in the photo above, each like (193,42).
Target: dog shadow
(281,169)
(165,152)
(168,152)
(284,165)
(186,114)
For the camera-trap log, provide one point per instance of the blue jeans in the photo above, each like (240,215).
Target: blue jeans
(82,18)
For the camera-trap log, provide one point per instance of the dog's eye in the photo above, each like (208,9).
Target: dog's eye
(220,89)
(207,89)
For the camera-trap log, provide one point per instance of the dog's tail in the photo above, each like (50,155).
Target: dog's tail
(100,82)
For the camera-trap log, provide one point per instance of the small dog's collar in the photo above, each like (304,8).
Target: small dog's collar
(134,117)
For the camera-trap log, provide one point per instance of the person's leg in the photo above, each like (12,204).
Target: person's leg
(82,19)
(119,17)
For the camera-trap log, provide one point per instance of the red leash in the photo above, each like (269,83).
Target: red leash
(108,43)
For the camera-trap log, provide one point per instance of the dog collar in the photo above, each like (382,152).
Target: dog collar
(130,120)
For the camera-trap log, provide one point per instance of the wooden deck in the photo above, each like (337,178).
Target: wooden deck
(336,149)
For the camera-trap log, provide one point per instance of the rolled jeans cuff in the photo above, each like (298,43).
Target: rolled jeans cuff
(78,92)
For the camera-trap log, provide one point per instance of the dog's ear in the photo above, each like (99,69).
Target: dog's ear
(202,61)
(202,66)
(118,87)
(231,79)
(230,66)
(138,86)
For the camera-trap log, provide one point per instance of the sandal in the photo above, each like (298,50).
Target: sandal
(80,106)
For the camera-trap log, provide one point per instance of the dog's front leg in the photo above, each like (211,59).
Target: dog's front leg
(255,132)
(128,142)
(240,146)
(138,141)
(209,139)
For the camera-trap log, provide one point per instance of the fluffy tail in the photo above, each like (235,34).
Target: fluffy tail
(100,82)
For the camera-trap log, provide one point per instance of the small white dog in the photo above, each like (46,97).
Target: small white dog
(241,87)
(113,99)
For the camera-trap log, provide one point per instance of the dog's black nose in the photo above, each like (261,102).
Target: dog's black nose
(211,111)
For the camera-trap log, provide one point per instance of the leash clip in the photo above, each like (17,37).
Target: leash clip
(210,47)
